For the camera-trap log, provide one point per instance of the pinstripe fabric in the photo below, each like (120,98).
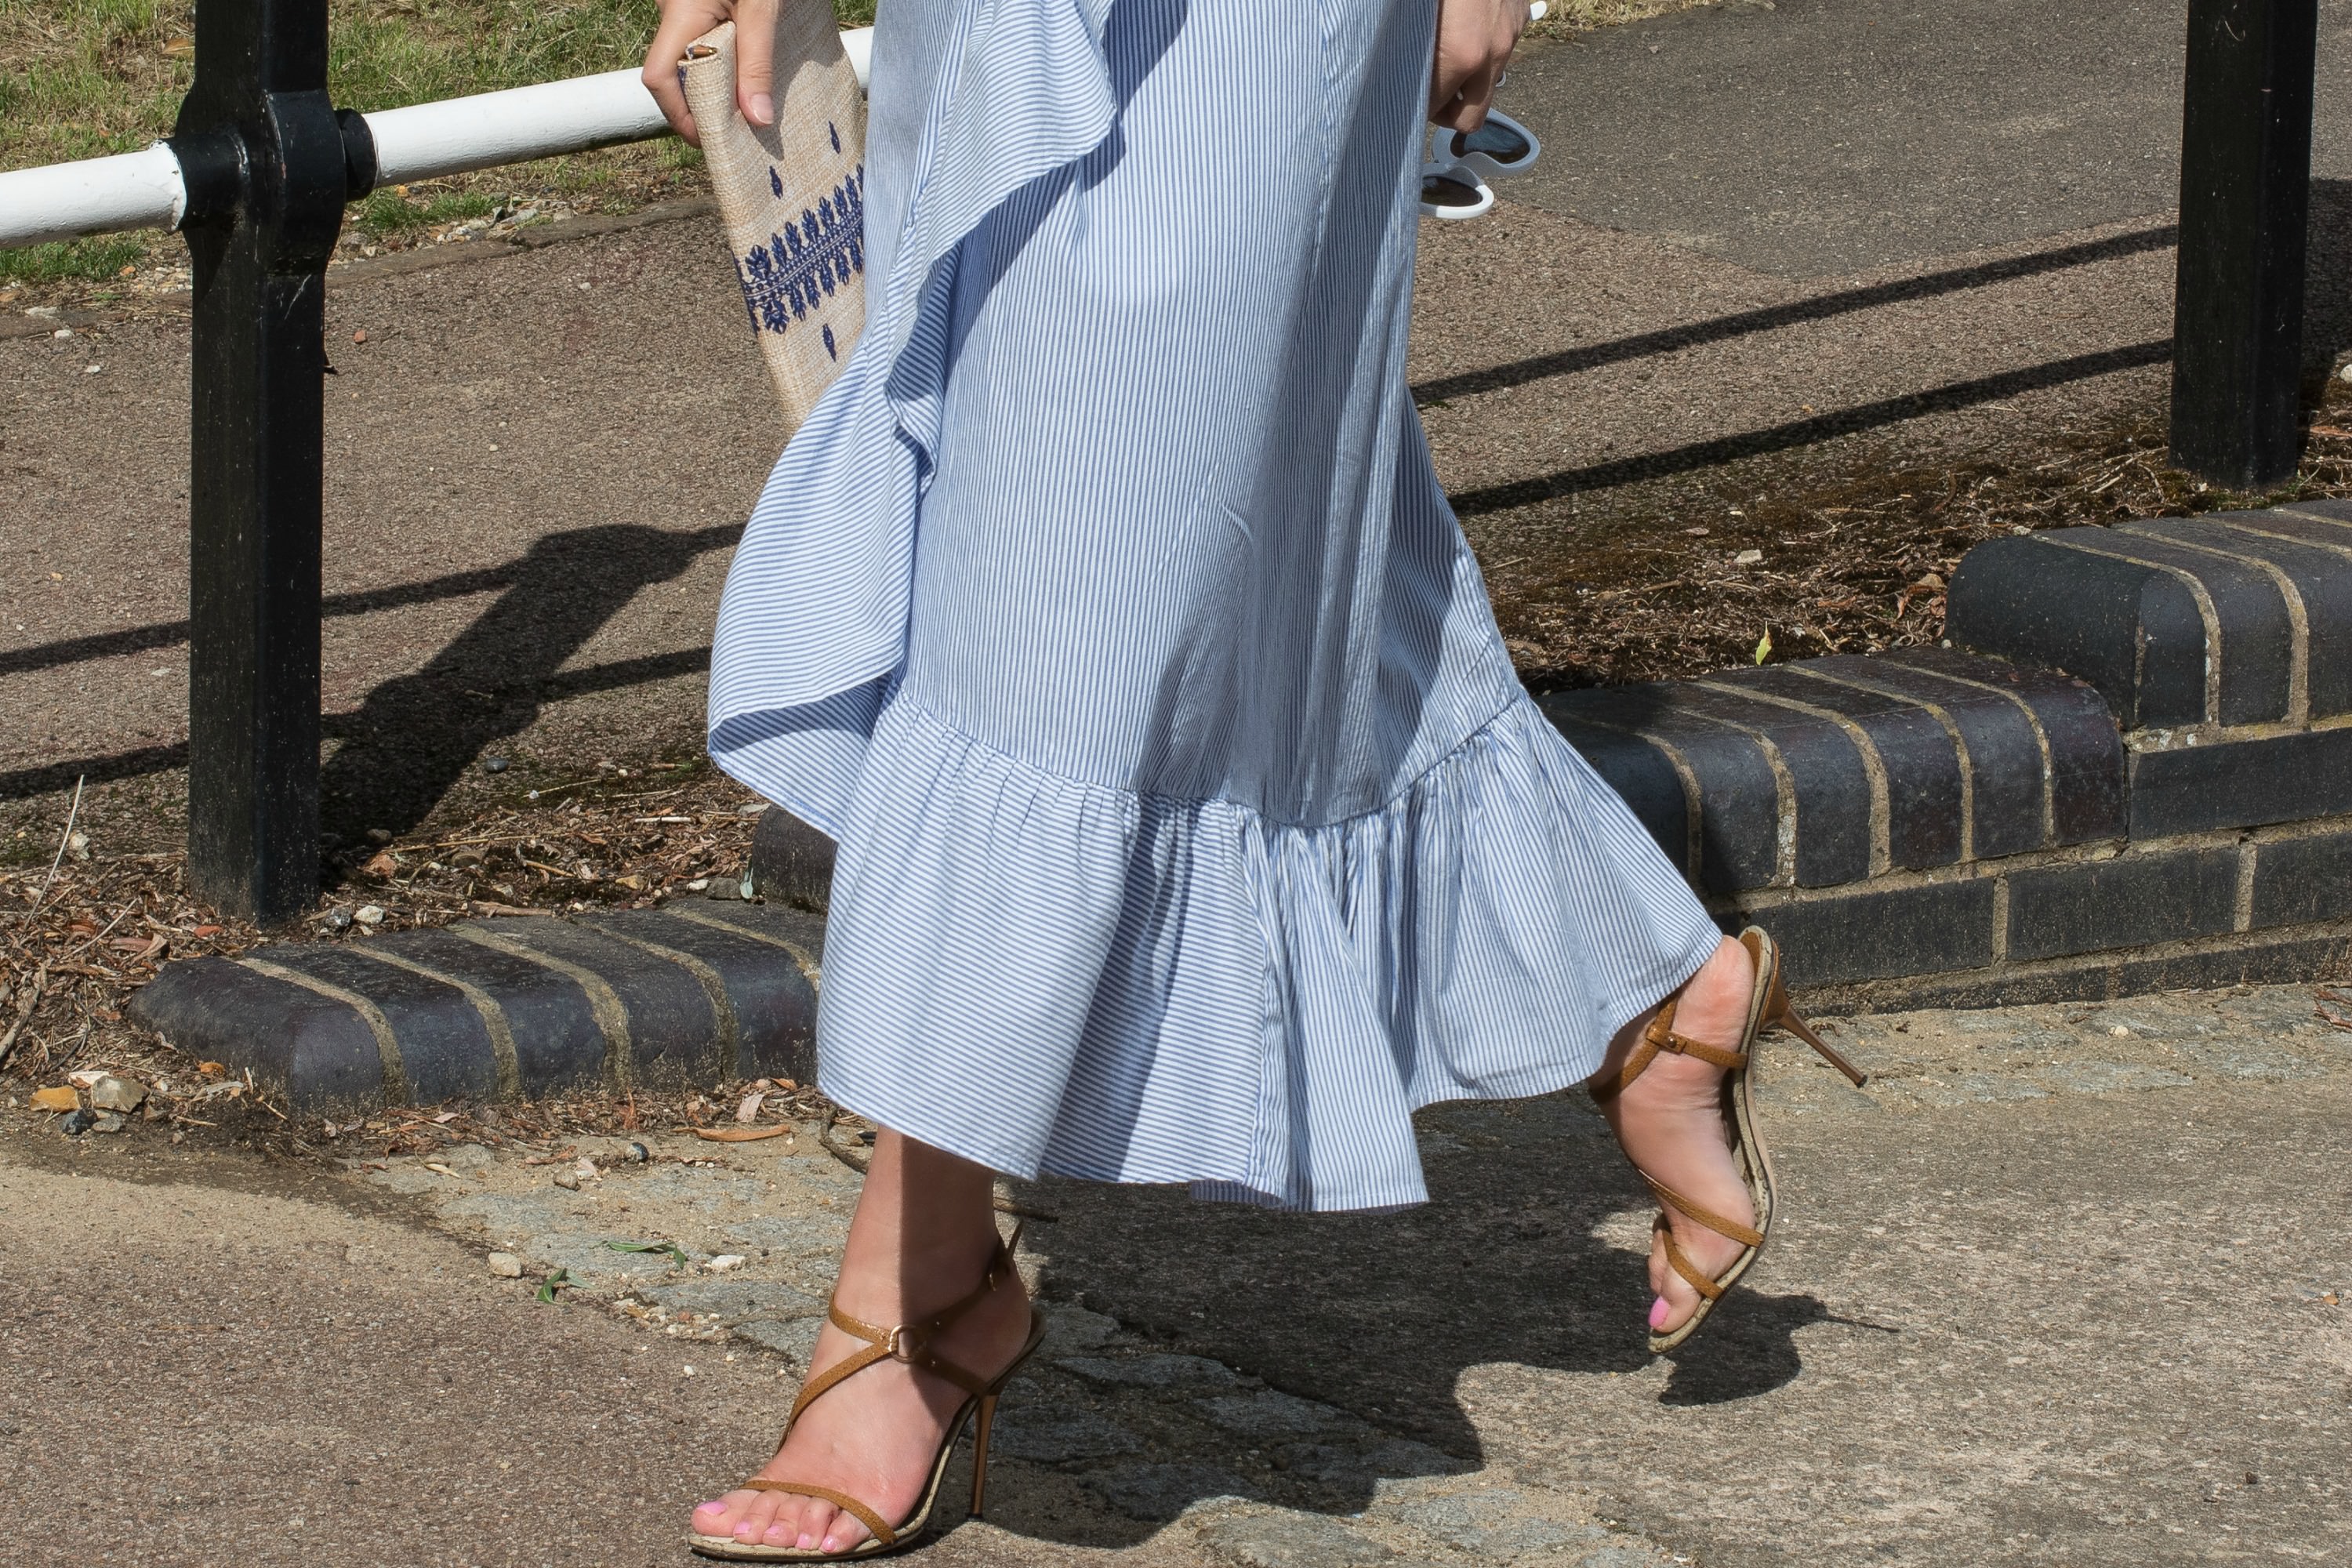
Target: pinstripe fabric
(1193,825)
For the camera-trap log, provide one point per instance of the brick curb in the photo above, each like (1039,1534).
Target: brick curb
(2133,773)
(673,997)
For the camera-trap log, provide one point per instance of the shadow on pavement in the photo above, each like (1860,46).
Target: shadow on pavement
(412,737)
(415,734)
(1383,1316)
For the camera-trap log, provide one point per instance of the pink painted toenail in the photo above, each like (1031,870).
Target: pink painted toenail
(1659,1312)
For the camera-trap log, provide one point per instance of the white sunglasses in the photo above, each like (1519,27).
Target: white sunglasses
(1456,164)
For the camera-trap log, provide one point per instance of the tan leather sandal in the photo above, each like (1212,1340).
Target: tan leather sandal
(1768,1009)
(911,1343)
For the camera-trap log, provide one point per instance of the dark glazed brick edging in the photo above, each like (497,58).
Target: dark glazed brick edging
(1928,825)
(1833,771)
(2235,618)
(686,994)
(2241,782)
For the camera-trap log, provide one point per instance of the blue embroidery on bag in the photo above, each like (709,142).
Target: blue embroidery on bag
(775,181)
(831,131)
(831,350)
(802,265)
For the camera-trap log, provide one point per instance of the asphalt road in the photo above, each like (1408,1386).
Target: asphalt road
(1808,138)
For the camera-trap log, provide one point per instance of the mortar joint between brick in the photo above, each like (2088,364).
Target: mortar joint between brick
(2206,614)
(2041,746)
(2243,914)
(2298,621)
(1873,766)
(1951,731)
(493,1015)
(722,1006)
(811,971)
(1784,798)
(2327,546)
(604,1004)
(1694,798)
(387,1044)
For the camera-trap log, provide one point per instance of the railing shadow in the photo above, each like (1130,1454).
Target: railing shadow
(414,734)
(486,685)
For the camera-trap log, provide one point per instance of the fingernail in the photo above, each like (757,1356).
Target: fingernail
(764,109)
(1658,1310)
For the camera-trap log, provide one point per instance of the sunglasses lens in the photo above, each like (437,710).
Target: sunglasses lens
(1439,192)
(1503,145)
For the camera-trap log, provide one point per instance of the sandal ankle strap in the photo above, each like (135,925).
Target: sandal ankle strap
(909,1343)
(1658,1038)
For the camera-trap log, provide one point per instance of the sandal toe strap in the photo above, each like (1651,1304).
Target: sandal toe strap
(1746,1236)
(1679,1260)
(842,1500)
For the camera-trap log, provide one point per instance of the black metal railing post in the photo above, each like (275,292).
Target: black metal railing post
(269,165)
(2245,191)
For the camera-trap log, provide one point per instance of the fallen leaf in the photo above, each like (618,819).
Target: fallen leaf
(750,1110)
(436,1165)
(676,1254)
(211,1069)
(60,1098)
(381,864)
(741,1134)
(553,1283)
(1764,647)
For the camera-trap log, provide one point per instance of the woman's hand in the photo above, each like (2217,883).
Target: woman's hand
(1475,39)
(682,22)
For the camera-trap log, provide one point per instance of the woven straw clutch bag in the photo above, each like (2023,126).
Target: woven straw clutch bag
(792,195)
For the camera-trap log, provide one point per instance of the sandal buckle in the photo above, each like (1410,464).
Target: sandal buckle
(905,1344)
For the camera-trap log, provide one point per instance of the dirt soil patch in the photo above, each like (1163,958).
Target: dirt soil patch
(1800,560)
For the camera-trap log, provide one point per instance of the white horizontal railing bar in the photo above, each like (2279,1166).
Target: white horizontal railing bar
(427,140)
(423,142)
(97,196)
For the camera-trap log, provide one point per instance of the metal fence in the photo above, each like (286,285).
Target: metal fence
(261,164)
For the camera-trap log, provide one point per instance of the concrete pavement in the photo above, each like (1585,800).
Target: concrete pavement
(1811,137)
(2064,1285)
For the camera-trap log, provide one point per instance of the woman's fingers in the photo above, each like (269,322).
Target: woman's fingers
(1471,100)
(682,22)
(1475,39)
(755,49)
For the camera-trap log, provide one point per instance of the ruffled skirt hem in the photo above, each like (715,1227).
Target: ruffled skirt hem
(1046,975)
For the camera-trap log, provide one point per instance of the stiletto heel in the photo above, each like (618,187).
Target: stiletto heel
(1780,1016)
(911,1343)
(1768,1009)
(980,1425)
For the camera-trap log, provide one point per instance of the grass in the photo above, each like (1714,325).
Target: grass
(85,260)
(81,78)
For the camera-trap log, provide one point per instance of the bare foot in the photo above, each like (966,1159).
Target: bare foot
(923,1238)
(875,1435)
(1670,1122)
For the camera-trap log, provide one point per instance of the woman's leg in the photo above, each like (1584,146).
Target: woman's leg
(923,1236)
(1670,1121)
